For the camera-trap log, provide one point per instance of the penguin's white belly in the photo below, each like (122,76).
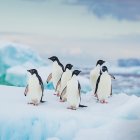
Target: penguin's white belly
(73,97)
(65,78)
(34,89)
(56,74)
(104,87)
(93,77)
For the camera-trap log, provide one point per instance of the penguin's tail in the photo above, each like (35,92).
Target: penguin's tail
(42,101)
(82,105)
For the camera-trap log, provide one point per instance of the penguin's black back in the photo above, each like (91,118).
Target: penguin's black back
(97,82)
(61,65)
(41,84)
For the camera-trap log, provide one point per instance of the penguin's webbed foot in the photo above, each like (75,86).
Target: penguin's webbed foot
(29,103)
(58,95)
(62,101)
(103,101)
(35,104)
(71,107)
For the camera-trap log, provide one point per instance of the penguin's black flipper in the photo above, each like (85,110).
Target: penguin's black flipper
(49,78)
(111,91)
(112,76)
(97,83)
(79,90)
(82,105)
(26,90)
(42,88)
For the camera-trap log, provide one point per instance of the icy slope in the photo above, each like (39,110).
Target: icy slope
(117,120)
(12,54)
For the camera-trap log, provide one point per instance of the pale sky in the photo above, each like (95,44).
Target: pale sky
(77,29)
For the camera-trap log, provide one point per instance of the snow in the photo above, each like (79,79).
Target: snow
(117,120)
(12,54)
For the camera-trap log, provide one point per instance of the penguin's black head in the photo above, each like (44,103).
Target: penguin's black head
(104,68)
(53,58)
(69,66)
(32,71)
(76,72)
(100,62)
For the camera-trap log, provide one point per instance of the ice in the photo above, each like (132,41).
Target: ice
(124,70)
(17,76)
(85,84)
(129,62)
(12,54)
(117,120)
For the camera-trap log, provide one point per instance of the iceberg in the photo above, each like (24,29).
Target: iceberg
(12,54)
(18,75)
(85,84)
(117,120)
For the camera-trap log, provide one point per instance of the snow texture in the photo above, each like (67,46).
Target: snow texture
(117,120)
(12,54)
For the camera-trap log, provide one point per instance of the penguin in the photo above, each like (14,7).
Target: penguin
(66,76)
(73,89)
(103,85)
(57,71)
(35,88)
(112,78)
(95,73)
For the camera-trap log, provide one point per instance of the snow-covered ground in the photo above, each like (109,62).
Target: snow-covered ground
(117,120)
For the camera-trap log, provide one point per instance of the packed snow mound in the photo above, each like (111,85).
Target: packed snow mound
(117,120)
(16,54)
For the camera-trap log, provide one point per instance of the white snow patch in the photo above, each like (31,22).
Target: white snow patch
(117,120)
